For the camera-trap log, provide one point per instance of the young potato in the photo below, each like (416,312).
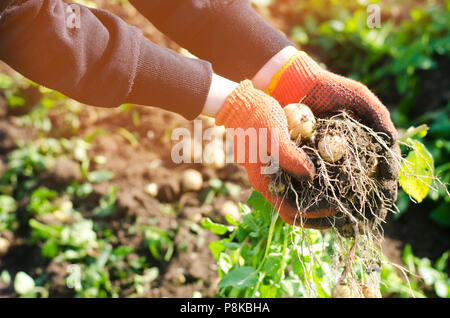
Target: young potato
(301,121)
(152,189)
(191,180)
(214,155)
(332,148)
(371,292)
(342,290)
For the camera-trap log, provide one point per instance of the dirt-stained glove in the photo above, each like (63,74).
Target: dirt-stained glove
(302,79)
(248,109)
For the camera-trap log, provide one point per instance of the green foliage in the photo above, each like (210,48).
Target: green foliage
(107,203)
(259,256)
(262,256)
(433,275)
(159,243)
(439,147)
(419,178)
(216,228)
(8,208)
(216,188)
(25,286)
(385,57)
(130,137)
(100,176)
(61,231)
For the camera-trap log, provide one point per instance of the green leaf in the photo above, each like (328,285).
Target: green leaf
(215,183)
(45,231)
(216,248)
(420,132)
(216,228)
(100,176)
(224,262)
(159,242)
(105,211)
(291,287)
(50,249)
(23,284)
(272,263)
(417,171)
(7,204)
(231,220)
(107,203)
(269,291)
(207,196)
(299,35)
(132,139)
(428,273)
(408,258)
(239,278)
(441,288)
(16,101)
(257,201)
(123,250)
(441,263)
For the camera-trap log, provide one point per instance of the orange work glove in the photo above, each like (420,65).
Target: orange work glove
(301,78)
(249,108)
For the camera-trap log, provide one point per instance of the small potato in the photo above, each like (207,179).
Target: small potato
(332,148)
(191,180)
(4,246)
(195,154)
(214,156)
(152,189)
(371,292)
(345,291)
(301,121)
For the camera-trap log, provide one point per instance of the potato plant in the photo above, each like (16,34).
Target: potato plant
(262,256)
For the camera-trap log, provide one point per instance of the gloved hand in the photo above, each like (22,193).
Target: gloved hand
(302,79)
(249,108)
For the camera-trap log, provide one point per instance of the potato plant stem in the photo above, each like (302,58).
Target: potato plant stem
(266,252)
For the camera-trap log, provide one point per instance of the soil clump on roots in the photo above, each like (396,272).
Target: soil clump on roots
(352,185)
(349,158)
